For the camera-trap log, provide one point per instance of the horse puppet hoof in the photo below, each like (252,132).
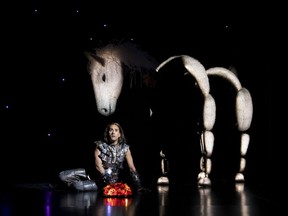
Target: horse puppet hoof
(163,180)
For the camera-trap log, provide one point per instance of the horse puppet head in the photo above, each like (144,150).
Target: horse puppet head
(106,68)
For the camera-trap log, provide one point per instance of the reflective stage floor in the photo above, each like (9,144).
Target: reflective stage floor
(222,199)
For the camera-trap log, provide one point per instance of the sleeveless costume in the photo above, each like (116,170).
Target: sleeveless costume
(112,157)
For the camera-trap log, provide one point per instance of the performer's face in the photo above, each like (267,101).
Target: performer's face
(114,133)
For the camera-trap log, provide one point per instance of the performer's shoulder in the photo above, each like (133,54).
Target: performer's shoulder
(99,143)
(126,146)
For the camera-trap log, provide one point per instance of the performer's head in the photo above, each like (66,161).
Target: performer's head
(114,134)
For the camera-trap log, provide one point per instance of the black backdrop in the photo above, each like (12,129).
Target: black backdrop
(44,47)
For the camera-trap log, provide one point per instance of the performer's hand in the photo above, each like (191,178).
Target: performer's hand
(107,177)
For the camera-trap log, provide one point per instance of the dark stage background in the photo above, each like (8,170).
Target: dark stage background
(49,124)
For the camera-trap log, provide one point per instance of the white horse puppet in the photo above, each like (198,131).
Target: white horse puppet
(107,66)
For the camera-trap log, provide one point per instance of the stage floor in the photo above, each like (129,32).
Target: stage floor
(222,199)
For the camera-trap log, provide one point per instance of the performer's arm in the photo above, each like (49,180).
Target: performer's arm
(133,172)
(98,162)
(130,162)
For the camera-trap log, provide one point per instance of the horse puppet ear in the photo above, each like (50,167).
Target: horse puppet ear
(93,57)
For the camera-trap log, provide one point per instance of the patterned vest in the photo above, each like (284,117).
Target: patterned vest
(112,157)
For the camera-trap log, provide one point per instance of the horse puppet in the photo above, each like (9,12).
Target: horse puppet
(108,65)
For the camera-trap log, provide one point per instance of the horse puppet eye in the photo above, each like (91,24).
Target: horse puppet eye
(104,78)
